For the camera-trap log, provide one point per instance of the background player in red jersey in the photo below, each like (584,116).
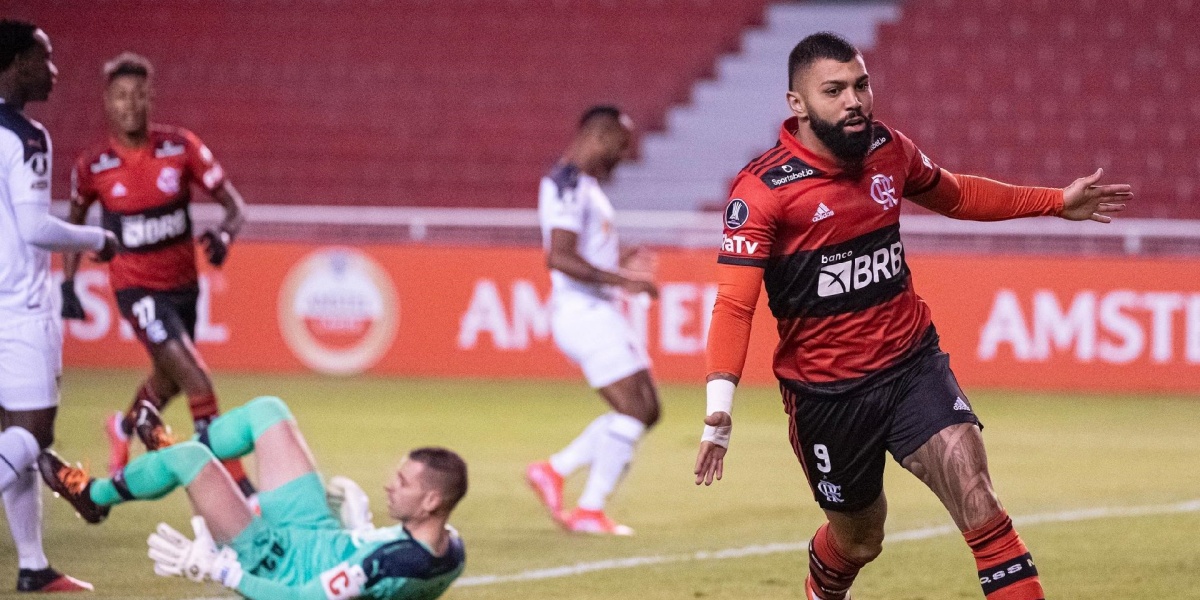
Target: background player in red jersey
(142,176)
(816,219)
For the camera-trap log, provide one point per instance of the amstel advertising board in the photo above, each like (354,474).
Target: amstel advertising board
(1084,324)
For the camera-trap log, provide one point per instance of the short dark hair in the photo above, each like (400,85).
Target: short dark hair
(15,38)
(817,46)
(450,469)
(597,112)
(128,63)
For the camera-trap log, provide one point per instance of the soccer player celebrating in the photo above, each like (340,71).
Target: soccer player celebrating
(297,548)
(816,219)
(142,176)
(585,263)
(30,337)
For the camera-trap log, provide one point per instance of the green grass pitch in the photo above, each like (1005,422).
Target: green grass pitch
(1050,454)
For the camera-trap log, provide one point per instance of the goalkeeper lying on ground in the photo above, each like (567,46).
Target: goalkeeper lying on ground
(297,548)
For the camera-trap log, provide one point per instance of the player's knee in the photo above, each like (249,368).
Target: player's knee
(44,436)
(269,410)
(864,551)
(197,384)
(189,451)
(42,431)
(186,459)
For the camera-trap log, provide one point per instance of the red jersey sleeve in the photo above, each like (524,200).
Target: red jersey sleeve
(921,173)
(203,167)
(83,190)
(750,221)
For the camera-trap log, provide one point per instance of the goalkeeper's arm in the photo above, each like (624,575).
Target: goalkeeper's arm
(261,588)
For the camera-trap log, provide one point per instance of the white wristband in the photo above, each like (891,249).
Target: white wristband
(720,399)
(720,396)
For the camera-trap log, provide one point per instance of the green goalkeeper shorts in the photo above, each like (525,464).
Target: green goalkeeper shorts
(297,537)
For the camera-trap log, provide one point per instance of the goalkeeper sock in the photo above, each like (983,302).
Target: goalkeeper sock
(153,474)
(1006,569)
(582,450)
(232,435)
(829,569)
(203,406)
(613,452)
(233,465)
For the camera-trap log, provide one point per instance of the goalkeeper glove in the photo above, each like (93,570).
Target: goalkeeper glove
(175,555)
(350,502)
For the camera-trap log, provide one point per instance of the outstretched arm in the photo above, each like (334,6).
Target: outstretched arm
(981,199)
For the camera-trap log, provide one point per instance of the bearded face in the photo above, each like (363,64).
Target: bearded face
(848,145)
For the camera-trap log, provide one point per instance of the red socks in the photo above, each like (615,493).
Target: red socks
(829,570)
(203,406)
(1006,570)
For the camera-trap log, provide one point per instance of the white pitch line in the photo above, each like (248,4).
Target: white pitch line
(924,533)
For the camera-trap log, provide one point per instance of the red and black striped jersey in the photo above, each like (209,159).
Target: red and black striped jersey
(835,271)
(145,193)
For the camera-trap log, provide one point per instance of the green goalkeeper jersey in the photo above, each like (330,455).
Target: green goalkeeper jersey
(300,563)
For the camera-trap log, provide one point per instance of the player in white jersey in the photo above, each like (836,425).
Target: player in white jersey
(586,273)
(30,335)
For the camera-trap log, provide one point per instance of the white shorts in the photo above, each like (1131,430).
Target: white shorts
(596,336)
(30,363)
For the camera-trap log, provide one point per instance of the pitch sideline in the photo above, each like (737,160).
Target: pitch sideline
(924,533)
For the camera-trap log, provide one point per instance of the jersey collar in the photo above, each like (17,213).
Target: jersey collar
(787,137)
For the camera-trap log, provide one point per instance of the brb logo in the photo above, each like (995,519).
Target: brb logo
(842,272)
(883,191)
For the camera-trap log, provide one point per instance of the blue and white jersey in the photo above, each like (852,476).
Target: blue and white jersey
(25,170)
(572,200)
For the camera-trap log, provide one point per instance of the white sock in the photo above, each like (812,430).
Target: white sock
(582,449)
(613,453)
(18,450)
(23,506)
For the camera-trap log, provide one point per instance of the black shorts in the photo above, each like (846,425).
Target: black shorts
(840,440)
(158,316)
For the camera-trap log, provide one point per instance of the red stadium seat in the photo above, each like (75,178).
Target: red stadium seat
(1043,91)
(404,102)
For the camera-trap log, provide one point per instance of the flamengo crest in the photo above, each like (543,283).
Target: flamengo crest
(883,191)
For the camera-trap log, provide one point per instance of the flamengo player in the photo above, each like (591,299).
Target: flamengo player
(585,259)
(142,176)
(30,336)
(816,219)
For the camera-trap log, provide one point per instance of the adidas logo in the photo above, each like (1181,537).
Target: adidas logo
(960,404)
(823,212)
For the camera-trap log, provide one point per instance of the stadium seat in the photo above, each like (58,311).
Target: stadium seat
(405,102)
(1043,91)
